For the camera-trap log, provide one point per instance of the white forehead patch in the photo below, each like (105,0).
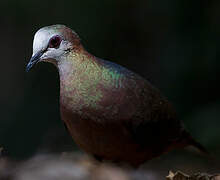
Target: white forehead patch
(41,39)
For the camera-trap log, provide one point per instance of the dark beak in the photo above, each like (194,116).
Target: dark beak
(34,60)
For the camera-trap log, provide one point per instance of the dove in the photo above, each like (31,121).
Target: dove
(111,112)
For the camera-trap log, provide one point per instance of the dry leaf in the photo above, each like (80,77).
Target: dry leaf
(198,176)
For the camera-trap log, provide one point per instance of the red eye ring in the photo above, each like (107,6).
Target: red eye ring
(55,42)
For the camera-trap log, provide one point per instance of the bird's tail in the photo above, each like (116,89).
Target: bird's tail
(189,141)
(199,146)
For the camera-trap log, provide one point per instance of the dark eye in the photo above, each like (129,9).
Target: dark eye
(55,42)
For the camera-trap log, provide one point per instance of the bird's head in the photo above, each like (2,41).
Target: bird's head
(52,43)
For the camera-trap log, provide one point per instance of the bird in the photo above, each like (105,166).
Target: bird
(112,113)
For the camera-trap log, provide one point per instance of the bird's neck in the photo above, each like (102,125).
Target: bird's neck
(74,65)
(79,73)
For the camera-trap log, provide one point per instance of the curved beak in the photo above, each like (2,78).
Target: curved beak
(34,60)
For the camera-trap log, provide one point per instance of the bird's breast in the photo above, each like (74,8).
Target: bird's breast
(99,137)
(99,100)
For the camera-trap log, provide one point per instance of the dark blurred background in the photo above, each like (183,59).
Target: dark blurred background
(173,44)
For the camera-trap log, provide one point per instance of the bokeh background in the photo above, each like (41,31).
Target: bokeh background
(173,43)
